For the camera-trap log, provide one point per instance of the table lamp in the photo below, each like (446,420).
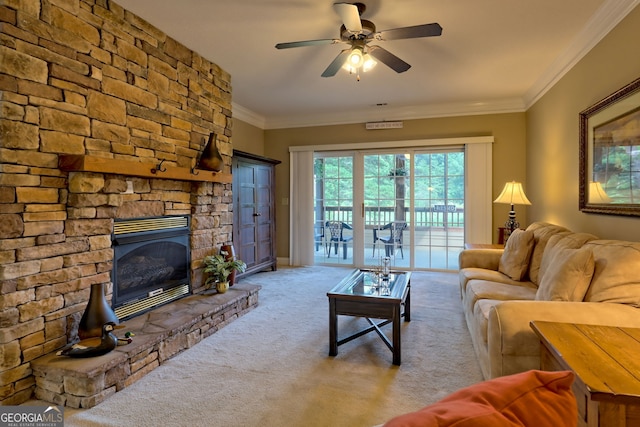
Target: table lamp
(512,194)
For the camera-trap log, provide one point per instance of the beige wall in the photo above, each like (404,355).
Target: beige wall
(509,149)
(539,148)
(552,133)
(247,137)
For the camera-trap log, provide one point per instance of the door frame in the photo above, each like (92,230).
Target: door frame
(478,185)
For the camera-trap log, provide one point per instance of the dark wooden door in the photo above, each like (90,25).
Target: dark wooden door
(265,212)
(254,211)
(245,188)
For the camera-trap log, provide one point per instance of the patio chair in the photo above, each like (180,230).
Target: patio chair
(336,236)
(318,236)
(393,240)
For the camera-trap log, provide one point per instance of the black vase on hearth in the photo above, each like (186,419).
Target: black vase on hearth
(97,313)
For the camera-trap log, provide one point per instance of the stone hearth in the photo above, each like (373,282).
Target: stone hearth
(159,335)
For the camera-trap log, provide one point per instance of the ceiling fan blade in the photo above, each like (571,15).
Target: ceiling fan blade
(349,15)
(425,30)
(337,63)
(389,59)
(307,43)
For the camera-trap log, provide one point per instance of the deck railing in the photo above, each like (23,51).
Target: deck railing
(438,216)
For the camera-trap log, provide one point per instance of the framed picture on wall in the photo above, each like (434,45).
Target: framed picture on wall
(610,154)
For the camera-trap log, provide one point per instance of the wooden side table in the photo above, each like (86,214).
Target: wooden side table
(501,235)
(605,362)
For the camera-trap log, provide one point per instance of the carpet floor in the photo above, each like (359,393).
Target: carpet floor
(271,367)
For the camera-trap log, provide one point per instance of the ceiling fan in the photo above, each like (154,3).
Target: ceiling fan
(358,33)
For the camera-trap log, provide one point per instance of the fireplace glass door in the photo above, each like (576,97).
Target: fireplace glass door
(151,263)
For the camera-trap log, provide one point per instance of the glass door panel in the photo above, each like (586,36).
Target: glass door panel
(333,209)
(386,201)
(439,209)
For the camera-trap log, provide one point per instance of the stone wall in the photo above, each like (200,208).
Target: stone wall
(86,77)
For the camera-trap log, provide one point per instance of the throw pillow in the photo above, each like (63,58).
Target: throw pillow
(532,398)
(567,276)
(542,232)
(514,261)
(561,241)
(615,277)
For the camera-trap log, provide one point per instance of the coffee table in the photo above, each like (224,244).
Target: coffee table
(363,293)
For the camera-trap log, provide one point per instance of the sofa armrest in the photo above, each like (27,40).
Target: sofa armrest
(512,344)
(480,258)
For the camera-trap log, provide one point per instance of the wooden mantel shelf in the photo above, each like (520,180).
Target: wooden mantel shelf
(79,163)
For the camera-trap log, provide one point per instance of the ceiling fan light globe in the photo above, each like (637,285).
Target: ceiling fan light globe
(368,63)
(349,68)
(355,58)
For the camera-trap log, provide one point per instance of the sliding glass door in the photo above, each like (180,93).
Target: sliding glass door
(406,205)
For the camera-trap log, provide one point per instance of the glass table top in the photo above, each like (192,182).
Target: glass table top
(372,284)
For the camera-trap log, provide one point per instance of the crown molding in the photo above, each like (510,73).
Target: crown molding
(241,113)
(402,113)
(610,13)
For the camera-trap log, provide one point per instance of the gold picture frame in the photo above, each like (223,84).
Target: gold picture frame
(610,154)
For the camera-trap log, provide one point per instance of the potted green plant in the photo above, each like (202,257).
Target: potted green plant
(219,267)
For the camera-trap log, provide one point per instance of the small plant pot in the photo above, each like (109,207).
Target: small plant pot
(222,287)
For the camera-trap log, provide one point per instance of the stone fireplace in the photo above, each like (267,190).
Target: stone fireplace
(104,117)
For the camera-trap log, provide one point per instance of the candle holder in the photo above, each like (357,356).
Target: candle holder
(386,268)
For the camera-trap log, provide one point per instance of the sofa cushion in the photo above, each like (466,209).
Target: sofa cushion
(532,398)
(481,317)
(616,277)
(485,289)
(571,240)
(560,241)
(514,261)
(568,274)
(472,273)
(542,232)
(481,295)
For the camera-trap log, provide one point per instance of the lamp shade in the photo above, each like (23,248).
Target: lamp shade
(512,194)
(597,193)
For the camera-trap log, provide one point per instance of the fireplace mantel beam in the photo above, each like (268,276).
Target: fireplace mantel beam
(80,163)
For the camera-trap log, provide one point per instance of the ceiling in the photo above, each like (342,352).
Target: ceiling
(493,55)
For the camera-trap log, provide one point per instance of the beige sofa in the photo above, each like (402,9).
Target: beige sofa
(544,273)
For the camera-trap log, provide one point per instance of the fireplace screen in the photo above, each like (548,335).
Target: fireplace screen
(151,263)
